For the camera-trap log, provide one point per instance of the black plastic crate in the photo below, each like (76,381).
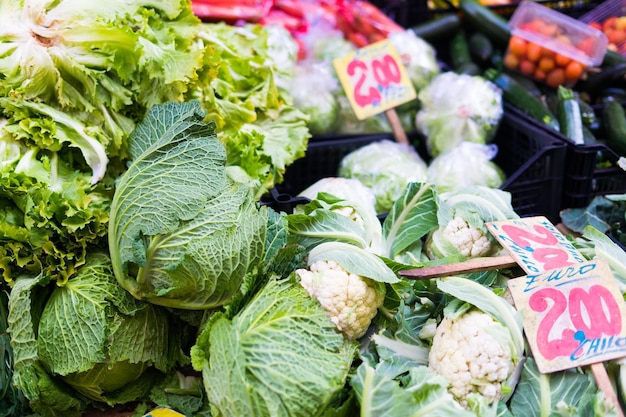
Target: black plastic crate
(585,178)
(408,13)
(531,158)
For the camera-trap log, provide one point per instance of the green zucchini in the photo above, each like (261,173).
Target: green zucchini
(612,58)
(439,28)
(606,77)
(614,123)
(459,50)
(485,20)
(569,115)
(588,114)
(588,137)
(480,46)
(460,57)
(520,97)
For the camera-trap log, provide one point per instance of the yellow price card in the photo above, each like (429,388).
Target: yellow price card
(374,79)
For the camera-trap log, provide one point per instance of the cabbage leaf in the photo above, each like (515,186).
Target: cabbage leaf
(279,356)
(182,233)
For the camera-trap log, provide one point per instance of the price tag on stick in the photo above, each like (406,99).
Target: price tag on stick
(376,81)
(535,243)
(573,316)
(573,311)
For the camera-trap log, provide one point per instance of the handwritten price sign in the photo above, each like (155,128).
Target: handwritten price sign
(573,316)
(374,79)
(535,244)
(572,308)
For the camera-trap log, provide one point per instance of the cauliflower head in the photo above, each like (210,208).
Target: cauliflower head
(350,301)
(472,360)
(459,235)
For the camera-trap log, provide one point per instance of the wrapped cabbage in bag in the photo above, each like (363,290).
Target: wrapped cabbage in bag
(457,108)
(313,88)
(418,56)
(386,167)
(464,165)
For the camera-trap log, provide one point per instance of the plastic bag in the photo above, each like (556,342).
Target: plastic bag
(464,165)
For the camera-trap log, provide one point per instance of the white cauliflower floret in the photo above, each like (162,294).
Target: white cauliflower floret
(470,241)
(352,214)
(459,235)
(469,357)
(351,301)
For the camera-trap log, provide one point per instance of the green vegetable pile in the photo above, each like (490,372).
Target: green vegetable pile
(140,268)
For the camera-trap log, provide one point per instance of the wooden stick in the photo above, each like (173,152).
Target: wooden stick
(604,383)
(472,265)
(396,127)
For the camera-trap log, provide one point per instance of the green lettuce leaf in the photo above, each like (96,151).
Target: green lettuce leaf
(50,214)
(260,128)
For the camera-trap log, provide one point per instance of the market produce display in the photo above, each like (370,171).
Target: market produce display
(144,266)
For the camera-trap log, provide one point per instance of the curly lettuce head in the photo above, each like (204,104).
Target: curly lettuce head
(182,233)
(457,108)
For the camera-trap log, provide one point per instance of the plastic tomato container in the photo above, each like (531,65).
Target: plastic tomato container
(551,47)
(610,18)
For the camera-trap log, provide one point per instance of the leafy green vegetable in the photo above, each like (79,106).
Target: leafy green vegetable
(12,400)
(255,119)
(604,213)
(465,165)
(569,392)
(314,87)
(386,167)
(76,78)
(279,356)
(340,210)
(457,108)
(101,340)
(182,233)
(419,393)
(418,56)
(411,217)
(50,214)
(91,340)
(595,244)
(353,259)
(97,58)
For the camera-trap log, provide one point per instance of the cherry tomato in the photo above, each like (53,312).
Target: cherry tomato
(573,71)
(511,60)
(533,52)
(555,78)
(561,60)
(539,75)
(586,45)
(546,64)
(517,46)
(617,36)
(609,23)
(527,67)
